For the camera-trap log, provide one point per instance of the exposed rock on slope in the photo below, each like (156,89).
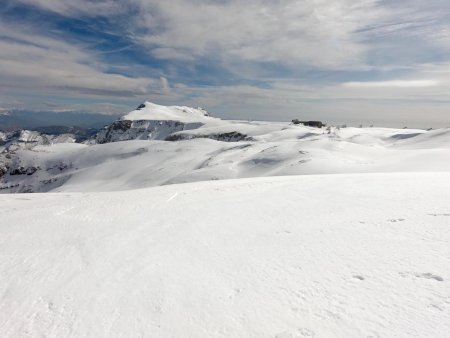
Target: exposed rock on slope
(124,130)
(232,136)
(154,122)
(14,167)
(27,139)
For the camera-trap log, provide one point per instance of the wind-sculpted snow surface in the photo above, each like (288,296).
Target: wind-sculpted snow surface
(311,256)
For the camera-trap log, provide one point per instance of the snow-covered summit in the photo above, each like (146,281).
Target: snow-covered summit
(152,111)
(151,121)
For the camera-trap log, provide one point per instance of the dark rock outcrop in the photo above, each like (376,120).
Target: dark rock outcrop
(24,171)
(316,124)
(124,130)
(225,137)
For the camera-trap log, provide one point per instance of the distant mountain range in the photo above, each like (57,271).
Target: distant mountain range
(21,119)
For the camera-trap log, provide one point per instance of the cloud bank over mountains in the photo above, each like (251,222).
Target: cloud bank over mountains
(370,60)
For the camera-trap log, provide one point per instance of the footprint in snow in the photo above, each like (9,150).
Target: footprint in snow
(426,275)
(396,220)
(296,333)
(373,335)
(304,161)
(284,232)
(234,293)
(358,277)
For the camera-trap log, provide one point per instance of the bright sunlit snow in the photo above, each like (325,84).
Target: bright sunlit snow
(352,239)
(167,145)
(313,256)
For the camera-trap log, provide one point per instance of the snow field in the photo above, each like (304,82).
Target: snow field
(353,255)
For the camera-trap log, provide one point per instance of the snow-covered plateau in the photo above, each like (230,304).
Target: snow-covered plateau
(168,145)
(338,232)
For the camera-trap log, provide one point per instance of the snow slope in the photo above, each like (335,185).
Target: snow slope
(277,149)
(155,112)
(157,145)
(360,255)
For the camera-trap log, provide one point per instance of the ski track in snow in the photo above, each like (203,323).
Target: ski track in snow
(353,255)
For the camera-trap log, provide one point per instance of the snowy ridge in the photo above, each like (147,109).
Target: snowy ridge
(125,130)
(153,122)
(160,152)
(27,139)
(155,112)
(145,163)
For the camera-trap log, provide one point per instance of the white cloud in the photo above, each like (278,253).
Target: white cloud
(323,47)
(312,32)
(392,83)
(74,8)
(30,60)
(338,35)
(165,87)
(323,34)
(171,54)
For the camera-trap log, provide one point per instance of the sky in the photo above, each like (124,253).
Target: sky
(381,62)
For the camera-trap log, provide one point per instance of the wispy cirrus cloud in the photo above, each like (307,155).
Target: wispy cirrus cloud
(343,34)
(76,8)
(36,61)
